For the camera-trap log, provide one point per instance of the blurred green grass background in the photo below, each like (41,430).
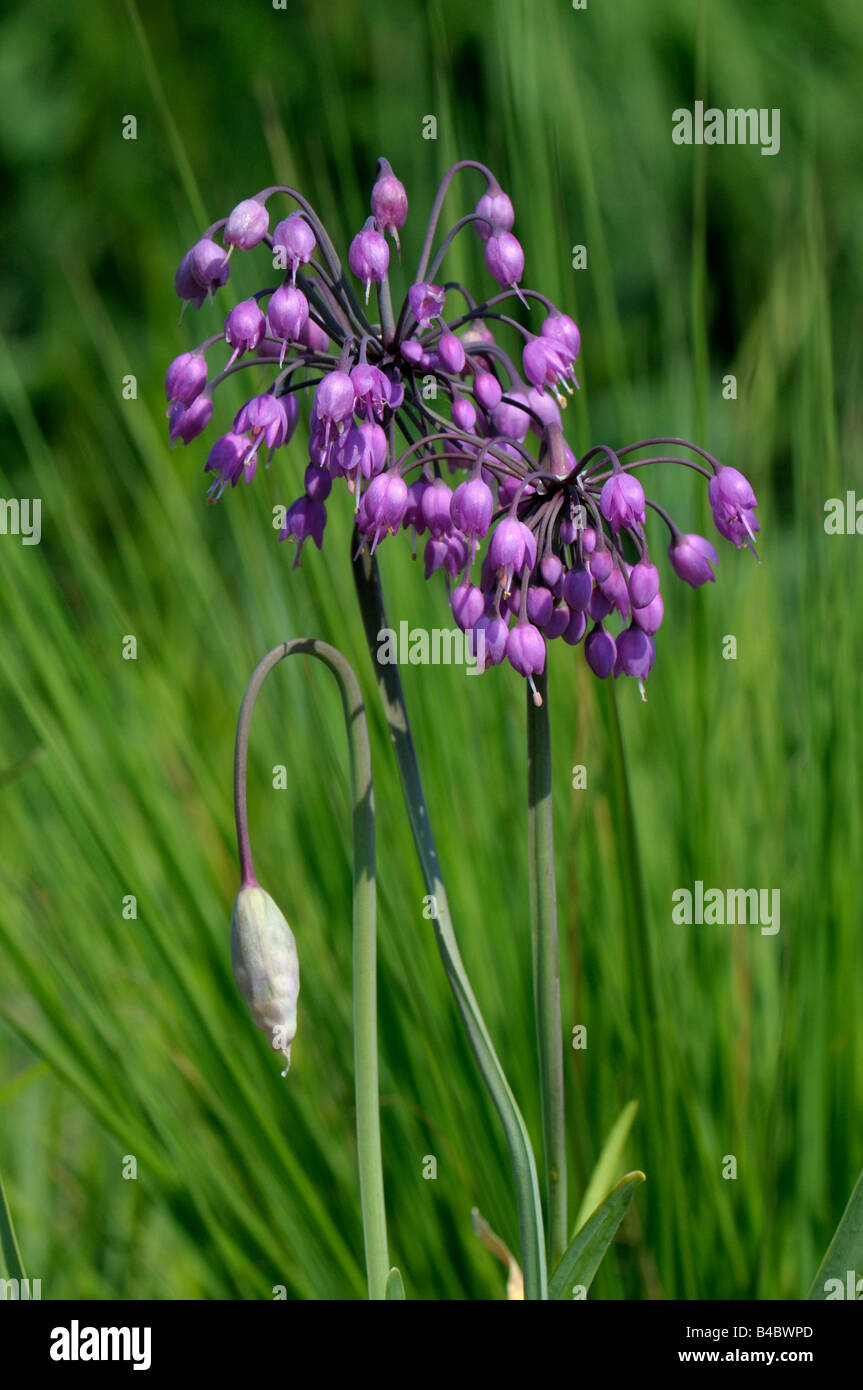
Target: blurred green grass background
(122,1037)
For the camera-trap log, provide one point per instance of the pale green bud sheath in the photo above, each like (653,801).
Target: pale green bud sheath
(264,954)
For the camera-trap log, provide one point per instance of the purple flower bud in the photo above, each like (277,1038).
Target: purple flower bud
(487,390)
(589,540)
(451,352)
(622,501)
(649,619)
(287,313)
(426,302)
(247,225)
(562,329)
(372,390)
(551,571)
(188,421)
(304,519)
(525,649)
(226,459)
(601,564)
(464,414)
(549,413)
(186,377)
(600,650)
(540,604)
(614,588)
(468,605)
(244,328)
(497,208)
(297,240)
(576,629)
(369,257)
(436,504)
(599,605)
(635,654)
(389,203)
(510,547)
(313,336)
(558,622)
(473,507)
(317,483)
(691,557)
(413,512)
(508,419)
(495,633)
(205,266)
(435,554)
(643,583)
(577,588)
(185,285)
(504,259)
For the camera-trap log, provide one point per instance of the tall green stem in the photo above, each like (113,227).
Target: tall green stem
(546,964)
(364,928)
(367,580)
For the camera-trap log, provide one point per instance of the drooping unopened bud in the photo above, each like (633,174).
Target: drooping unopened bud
(266,968)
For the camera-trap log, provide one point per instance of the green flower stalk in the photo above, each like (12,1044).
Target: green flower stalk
(264,955)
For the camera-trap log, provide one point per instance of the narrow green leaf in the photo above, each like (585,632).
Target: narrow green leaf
(11,1264)
(845,1251)
(395,1284)
(587,1251)
(609,1161)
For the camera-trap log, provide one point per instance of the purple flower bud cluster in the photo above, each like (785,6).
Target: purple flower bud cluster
(440,430)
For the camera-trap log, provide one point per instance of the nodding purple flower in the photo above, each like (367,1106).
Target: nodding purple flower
(317,483)
(540,604)
(576,629)
(313,336)
(487,390)
(649,618)
(577,588)
(512,546)
(497,208)
(635,655)
(226,459)
(450,351)
(372,390)
(383,506)
(296,240)
(413,511)
(360,452)
(188,421)
(426,301)
(504,259)
(305,519)
(551,573)
(464,414)
(369,256)
(202,271)
(614,588)
(436,507)
(389,202)
(508,418)
(561,329)
(558,622)
(468,605)
(599,605)
(186,377)
(600,649)
(495,632)
(525,651)
(691,557)
(334,401)
(247,225)
(643,583)
(733,503)
(268,419)
(601,564)
(542,405)
(473,508)
(622,501)
(244,328)
(287,313)
(547,363)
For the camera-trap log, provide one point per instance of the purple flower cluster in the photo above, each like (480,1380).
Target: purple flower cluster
(439,432)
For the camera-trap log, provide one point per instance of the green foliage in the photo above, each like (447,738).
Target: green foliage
(115,774)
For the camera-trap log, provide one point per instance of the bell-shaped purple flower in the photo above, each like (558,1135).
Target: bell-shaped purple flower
(600,649)
(287,313)
(525,651)
(601,563)
(512,546)
(546,363)
(635,654)
(313,336)
(563,330)
(188,421)
(389,202)
(577,588)
(622,501)
(509,419)
(649,618)
(226,460)
(244,328)
(643,583)
(202,271)
(305,519)
(436,507)
(383,506)
(495,206)
(473,507)
(372,390)
(450,351)
(576,628)
(247,225)
(691,557)
(369,256)
(733,502)
(463,414)
(494,636)
(540,604)
(504,259)
(468,605)
(317,483)
(186,377)
(334,401)
(268,419)
(426,301)
(487,390)
(296,241)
